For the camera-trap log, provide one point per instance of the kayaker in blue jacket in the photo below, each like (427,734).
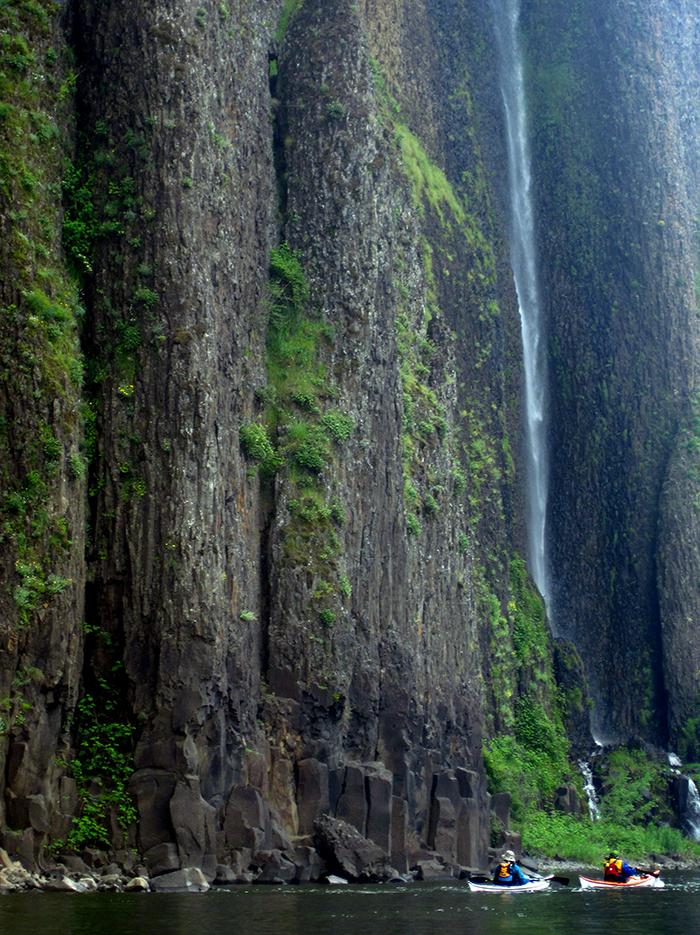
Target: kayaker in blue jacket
(508,873)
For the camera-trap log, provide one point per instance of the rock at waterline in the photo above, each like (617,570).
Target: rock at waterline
(189,880)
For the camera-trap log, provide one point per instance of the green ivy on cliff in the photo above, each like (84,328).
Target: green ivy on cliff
(102,766)
(304,431)
(528,755)
(40,359)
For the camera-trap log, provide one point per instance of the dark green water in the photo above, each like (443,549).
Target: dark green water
(421,909)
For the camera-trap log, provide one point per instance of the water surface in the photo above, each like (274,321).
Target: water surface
(418,909)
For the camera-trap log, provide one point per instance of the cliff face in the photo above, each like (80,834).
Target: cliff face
(615,131)
(42,471)
(262,559)
(300,411)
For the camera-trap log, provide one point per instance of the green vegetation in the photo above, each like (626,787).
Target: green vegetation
(547,834)
(635,809)
(302,434)
(455,224)
(101,768)
(428,181)
(528,755)
(256,443)
(289,10)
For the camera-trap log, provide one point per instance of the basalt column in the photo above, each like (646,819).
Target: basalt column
(42,470)
(175,133)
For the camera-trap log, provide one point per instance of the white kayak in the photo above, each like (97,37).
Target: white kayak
(646,881)
(534,886)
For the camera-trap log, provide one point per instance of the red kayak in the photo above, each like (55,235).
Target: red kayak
(646,881)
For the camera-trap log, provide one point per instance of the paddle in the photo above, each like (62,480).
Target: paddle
(564,881)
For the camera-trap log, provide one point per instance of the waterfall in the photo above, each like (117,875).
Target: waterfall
(691,812)
(589,788)
(688,799)
(524,263)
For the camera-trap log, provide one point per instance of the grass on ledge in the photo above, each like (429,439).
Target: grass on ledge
(579,839)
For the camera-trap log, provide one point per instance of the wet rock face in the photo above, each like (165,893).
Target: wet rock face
(616,170)
(42,477)
(679,555)
(261,711)
(180,98)
(255,715)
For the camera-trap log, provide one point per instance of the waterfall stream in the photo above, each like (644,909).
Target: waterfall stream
(689,799)
(691,813)
(590,790)
(524,263)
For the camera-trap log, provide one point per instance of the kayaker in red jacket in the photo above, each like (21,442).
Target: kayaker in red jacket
(617,870)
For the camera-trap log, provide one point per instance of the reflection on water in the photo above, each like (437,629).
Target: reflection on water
(421,909)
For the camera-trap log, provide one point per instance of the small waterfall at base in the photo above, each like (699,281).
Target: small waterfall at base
(506,15)
(691,812)
(588,784)
(688,799)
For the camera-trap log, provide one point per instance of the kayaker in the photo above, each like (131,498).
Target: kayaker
(616,870)
(508,873)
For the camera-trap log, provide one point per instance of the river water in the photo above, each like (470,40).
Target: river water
(418,909)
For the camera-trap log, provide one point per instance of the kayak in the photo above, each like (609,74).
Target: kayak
(634,883)
(534,886)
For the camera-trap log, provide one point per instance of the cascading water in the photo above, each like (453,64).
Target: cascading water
(524,262)
(688,799)
(691,812)
(590,790)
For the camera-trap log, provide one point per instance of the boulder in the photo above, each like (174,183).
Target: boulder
(275,867)
(57,884)
(245,819)
(74,864)
(153,789)
(188,880)
(163,858)
(348,853)
(308,864)
(433,869)
(138,885)
(194,821)
(224,875)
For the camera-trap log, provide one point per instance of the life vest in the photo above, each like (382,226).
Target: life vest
(613,870)
(505,874)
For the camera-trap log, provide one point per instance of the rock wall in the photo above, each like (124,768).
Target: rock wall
(262,596)
(289,247)
(614,112)
(42,471)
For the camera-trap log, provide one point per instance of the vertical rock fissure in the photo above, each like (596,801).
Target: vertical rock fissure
(524,264)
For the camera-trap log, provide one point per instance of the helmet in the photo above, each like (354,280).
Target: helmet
(613,855)
(508,855)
